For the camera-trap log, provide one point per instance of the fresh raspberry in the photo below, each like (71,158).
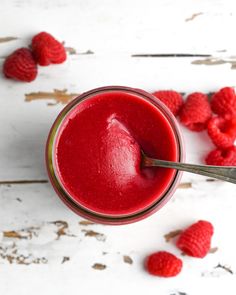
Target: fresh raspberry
(163,264)
(224,102)
(47,50)
(20,65)
(218,157)
(222,131)
(172,99)
(196,240)
(196,112)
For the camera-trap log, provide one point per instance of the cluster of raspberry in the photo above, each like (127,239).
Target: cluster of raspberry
(194,241)
(44,50)
(216,114)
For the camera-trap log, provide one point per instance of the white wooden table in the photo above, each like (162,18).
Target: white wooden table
(44,247)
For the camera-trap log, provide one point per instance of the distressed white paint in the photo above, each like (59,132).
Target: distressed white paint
(113,30)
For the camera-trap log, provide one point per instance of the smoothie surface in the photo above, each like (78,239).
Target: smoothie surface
(97,153)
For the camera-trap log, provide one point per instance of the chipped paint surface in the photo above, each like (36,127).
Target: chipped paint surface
(209,62)
(24,246)
(73,51)
(215,61)
(172,234)
(86,222)
(185,185)
(58,96)
(65,259)
(213,250)
(7,39)
(127,259)
(44,247)
(91,233)
(99,266)
(193,16)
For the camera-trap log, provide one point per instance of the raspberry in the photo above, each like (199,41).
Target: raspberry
(47,50)
(218,157)
(224,102)
(196,112)
(163,264)
(172,99)
(196,240)
(20,65)
(222,131)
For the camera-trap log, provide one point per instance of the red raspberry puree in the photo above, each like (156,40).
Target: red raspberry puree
(97,153)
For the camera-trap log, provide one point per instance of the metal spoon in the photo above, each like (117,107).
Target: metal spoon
(226,173)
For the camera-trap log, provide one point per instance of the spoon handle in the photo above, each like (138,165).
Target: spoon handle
(226,173)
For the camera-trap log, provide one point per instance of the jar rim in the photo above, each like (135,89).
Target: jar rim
(86,212)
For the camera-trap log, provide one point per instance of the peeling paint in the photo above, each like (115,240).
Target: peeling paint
(70,50)
(99,266)
(172,234)
(233,65)
(26,233)
(213,250)
(11,255)
(209,62)
(127,259)
(62,228)
(86,222)
(27,246)
(185,185)
(65,259)
(193,16)
(12,234)
(7,39)
(90,233)
(59,96)
(215,61)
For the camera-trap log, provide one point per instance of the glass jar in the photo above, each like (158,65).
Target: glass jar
(92,214)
